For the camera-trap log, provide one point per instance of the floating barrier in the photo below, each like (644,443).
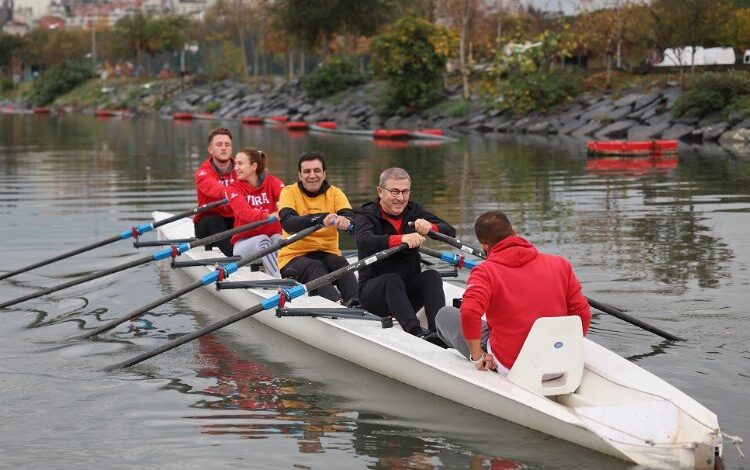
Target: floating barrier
(182,116)
(390,134)
(41,110)
(327,125)
(633,147)
(429,131)
(278,119)
(296,126)
(252,120)
(104,113)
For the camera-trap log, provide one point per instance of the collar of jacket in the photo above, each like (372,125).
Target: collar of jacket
(218,171)
(323,188)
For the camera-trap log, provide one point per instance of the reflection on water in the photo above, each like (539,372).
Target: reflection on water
(664,237)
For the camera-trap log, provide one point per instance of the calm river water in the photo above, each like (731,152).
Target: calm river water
(668,240)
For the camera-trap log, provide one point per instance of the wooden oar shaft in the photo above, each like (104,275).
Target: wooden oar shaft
(205,280)
(140,229)
(265,305)
(161,254)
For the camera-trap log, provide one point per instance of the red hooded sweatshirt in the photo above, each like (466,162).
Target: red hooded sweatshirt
(211,186)
(253,203)
(515,286)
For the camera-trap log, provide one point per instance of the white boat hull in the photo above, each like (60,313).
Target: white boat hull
(620,409)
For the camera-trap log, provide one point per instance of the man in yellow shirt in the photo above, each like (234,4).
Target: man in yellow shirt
(311,201)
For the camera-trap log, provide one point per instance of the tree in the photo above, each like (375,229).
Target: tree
(11,51)
(132,32)
(609,31)
(238,21)
(312,22)
(737,32)
(681,23)
(412,55)
(48,47)
(461,13)
(165,34)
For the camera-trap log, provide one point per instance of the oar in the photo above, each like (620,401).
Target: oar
(597,305)
(125,234)
(453,259)
(223,271)
(271,302)
(174,250)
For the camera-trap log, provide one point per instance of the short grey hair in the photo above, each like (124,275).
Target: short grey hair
(394,173)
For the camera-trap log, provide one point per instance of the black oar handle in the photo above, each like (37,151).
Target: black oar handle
(142,310)
(140,229)
(158,255)
(197,210)
(205,280)
(265,305)
(632,320)
(68,254)
(614,311)
(455,242)
(189,337)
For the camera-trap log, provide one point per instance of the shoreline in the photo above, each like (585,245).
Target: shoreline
(633,115)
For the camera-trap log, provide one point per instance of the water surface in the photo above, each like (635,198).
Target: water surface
(665,239)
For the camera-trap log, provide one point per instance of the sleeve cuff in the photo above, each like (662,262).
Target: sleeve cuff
(394,240)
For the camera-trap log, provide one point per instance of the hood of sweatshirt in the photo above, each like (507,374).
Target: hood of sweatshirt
(512,251)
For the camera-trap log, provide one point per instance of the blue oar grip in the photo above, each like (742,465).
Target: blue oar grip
(455,259)
(210,278)
(140,229)
(271,302)
(167,252)
(296,291)
(143,228)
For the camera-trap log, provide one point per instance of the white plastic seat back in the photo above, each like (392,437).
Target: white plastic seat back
(551,360)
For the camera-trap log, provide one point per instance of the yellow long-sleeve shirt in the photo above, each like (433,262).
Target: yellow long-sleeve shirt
(325,239)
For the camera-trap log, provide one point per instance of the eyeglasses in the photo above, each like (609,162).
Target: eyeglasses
(395,192)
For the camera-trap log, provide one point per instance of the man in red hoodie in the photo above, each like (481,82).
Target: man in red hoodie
(211,181)
(514,286)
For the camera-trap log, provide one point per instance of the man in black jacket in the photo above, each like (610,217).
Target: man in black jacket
(397,286)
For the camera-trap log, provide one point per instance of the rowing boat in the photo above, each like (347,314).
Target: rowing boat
(618,408)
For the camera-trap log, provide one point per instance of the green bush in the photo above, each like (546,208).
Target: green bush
(212,106)
(453,108)
(411,56)
(333,76)
(538,91)
(6,85)
(58,80)
(714,92)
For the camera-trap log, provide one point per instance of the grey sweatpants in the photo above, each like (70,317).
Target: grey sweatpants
(448,322)
(249,246)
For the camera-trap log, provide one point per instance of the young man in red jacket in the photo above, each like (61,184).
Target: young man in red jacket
(514,286)
(212,178)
